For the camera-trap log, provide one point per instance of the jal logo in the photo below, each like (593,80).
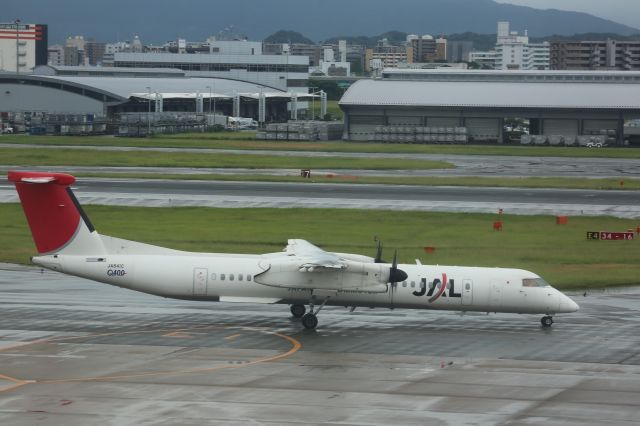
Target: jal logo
(440,286)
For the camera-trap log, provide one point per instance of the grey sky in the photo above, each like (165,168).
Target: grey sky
(622,11)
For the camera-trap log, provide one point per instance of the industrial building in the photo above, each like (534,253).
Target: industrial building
(406,105)
(22,46)
(595,55)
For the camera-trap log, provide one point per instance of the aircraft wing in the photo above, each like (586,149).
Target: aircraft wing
(311,257)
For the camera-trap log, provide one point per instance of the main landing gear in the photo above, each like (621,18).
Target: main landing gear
(310,319)
(546,321)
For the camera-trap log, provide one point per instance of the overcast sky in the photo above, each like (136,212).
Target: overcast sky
(622,11)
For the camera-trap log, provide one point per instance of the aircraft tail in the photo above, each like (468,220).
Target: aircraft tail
(58,223)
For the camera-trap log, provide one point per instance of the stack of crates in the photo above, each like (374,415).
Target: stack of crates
(420,134)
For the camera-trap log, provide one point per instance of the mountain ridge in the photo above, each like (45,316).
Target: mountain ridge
(156,21)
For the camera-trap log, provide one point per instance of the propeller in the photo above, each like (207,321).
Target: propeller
(396,275)
(378,258)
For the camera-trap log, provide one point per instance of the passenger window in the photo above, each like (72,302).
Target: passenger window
(404,284)
(467,286)
(248,277)
(240,277)
(213,277)
(413,285)
(230,277)
(222,277)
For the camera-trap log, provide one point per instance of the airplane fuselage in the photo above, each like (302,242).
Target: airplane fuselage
(236,278)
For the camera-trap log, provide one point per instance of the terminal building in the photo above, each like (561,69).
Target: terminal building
(422,106)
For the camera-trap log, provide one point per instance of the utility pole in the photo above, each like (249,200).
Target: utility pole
(149,112)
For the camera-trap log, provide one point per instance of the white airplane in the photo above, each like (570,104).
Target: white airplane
(302,274)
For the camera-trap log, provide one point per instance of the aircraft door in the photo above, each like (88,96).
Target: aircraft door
(496,295)
(200,278)
(467,292)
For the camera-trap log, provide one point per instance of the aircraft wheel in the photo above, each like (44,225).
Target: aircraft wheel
(298,310)
(309,321)
(546,321)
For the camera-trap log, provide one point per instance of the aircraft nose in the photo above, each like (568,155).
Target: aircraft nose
(567,305)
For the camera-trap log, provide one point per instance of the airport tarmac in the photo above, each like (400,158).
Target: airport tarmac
(74,352)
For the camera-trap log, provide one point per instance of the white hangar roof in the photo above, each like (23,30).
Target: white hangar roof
(492,94)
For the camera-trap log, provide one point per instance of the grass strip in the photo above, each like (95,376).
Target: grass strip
(88,157)
(530,182)
(246,141)
(560,253)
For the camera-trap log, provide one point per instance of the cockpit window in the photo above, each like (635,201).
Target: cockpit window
(534,282)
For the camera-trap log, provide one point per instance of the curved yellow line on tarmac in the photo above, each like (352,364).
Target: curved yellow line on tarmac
(295,347)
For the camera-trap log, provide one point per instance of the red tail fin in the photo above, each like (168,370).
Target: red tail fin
(51,208)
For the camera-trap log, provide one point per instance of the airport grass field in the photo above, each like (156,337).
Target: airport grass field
(559,253)
(88,157)
(246,141)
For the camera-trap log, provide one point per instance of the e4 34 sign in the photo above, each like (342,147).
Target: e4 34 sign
(603,235)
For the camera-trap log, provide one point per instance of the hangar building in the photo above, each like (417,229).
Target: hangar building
(568,103)
(107,92)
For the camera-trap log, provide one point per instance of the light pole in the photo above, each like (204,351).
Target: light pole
(149,111)
(313,103)
(209,87)
(17,22)
(214,102)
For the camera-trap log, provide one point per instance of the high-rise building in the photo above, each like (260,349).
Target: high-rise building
(595,55)
(458,51)
(22,46)
(94,52)
(513,51)
(55,55)
(387,55)
(423,48)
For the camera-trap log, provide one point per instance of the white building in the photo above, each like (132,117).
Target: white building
(283,72)
(513,51)
(330,66)
(22,46)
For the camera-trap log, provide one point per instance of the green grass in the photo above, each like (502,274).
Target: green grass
(561,254)
(88,157)
(534,182)
(242,140)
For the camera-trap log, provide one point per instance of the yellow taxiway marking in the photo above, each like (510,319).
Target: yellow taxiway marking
(295,347)
(178,334)
(232,337)
(15,383)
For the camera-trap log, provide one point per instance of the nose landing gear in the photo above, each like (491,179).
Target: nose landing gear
(298,310)
(546,321)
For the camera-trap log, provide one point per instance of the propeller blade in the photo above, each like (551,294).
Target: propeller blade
(378,258)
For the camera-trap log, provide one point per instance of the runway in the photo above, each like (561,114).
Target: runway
(73,352)
(167,193)
(464,165)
